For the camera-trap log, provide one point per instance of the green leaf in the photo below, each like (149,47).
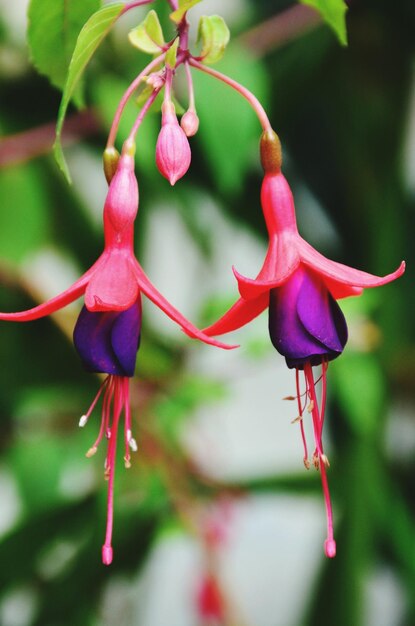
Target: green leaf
(184,6)
(333,13)
(171,55)
(90,37)
(148,36)
(214,34)
(53,27)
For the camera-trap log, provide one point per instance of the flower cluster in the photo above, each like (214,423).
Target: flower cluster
(298,285)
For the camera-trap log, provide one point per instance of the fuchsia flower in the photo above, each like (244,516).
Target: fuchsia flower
(107,332)
(299,287)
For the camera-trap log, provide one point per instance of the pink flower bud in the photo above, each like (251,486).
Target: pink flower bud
(172,150)
(190,123)
(121,205)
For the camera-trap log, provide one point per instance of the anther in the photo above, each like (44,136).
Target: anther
(91,452)
(310,407)
(83,420)
(297,419)
(127,462)
(133,444)
(306,463)
(325,460)
(289,398)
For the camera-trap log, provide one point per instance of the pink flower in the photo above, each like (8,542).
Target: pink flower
(116,279)
(173,154)
(107,333)
(300,287)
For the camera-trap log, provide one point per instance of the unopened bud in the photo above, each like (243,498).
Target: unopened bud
(110,157)
(173,154)
(271,154)
(190,123)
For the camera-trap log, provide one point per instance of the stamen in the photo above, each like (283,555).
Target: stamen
(116,399)
(84,419)
(318,419)
(119,403)
(301,410)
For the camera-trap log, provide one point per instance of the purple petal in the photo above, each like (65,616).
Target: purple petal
(305,322)
(107,342)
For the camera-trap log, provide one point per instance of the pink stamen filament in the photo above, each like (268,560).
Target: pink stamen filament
(119,403)
(329,544)
(85,417)
(248,95)
(127,95)
(301,411)
(116,398)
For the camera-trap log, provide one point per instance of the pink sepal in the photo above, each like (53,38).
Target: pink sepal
(113,286)
(241,313)
(160,301)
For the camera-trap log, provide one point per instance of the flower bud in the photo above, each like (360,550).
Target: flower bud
(271,154)
(111,157)
(121,204)
(172,150)
(190,123)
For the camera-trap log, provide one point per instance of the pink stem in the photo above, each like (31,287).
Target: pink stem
(190,86)
(135,3)
(253,100)
(142,114)
(127,95)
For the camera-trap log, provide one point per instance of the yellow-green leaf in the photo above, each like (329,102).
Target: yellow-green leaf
(148,36)
(91,35)
(184,6)
(171,55)
(333,13)
(214,34)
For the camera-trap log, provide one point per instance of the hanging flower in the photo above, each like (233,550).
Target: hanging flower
(107,332)
(299,287)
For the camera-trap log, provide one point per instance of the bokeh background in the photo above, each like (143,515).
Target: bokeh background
(217,489)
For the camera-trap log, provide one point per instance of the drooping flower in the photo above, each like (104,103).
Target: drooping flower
(107,332)
(300,287)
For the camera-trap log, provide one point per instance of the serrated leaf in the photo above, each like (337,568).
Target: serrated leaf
(215,35)
(171,54)
(90,37)
(53,27)
(333,13)
(148,36)
(184,6)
